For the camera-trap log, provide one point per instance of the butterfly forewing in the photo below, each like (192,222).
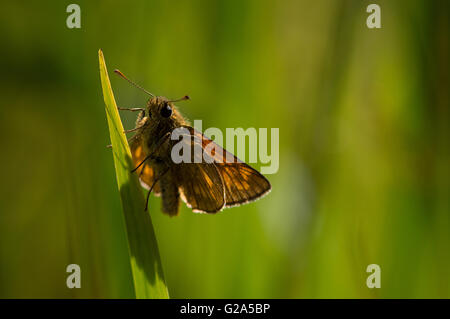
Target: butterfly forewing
(241,182)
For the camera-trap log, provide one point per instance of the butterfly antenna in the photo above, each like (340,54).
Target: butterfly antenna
(184,98)
(136,85)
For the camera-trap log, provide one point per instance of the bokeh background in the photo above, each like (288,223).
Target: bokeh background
(364,154)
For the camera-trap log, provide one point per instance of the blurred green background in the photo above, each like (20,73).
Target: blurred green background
(364,153)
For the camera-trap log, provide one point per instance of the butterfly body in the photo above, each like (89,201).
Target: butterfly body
(154,128)
(205,187)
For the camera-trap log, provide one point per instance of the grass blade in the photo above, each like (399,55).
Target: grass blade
(144,255)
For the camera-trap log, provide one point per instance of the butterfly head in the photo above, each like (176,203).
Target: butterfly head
(160,108)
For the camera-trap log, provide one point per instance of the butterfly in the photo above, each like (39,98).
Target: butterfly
(218,180)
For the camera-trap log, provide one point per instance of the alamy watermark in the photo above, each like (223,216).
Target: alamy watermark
(374,279)
(74,279)
(374,19)
(193,147)
(73,20)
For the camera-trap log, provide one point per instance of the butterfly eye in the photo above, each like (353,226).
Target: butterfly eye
(166,110)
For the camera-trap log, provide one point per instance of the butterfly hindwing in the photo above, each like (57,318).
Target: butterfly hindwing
(146,172)
(200,186)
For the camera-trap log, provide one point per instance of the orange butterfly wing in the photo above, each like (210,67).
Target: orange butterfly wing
(242,183)
(201,186)
(146,173)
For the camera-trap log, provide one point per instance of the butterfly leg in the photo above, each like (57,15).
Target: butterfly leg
(161,141)
(133,109)
(134,129)
(142,170)
(128,140)
(154,182)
